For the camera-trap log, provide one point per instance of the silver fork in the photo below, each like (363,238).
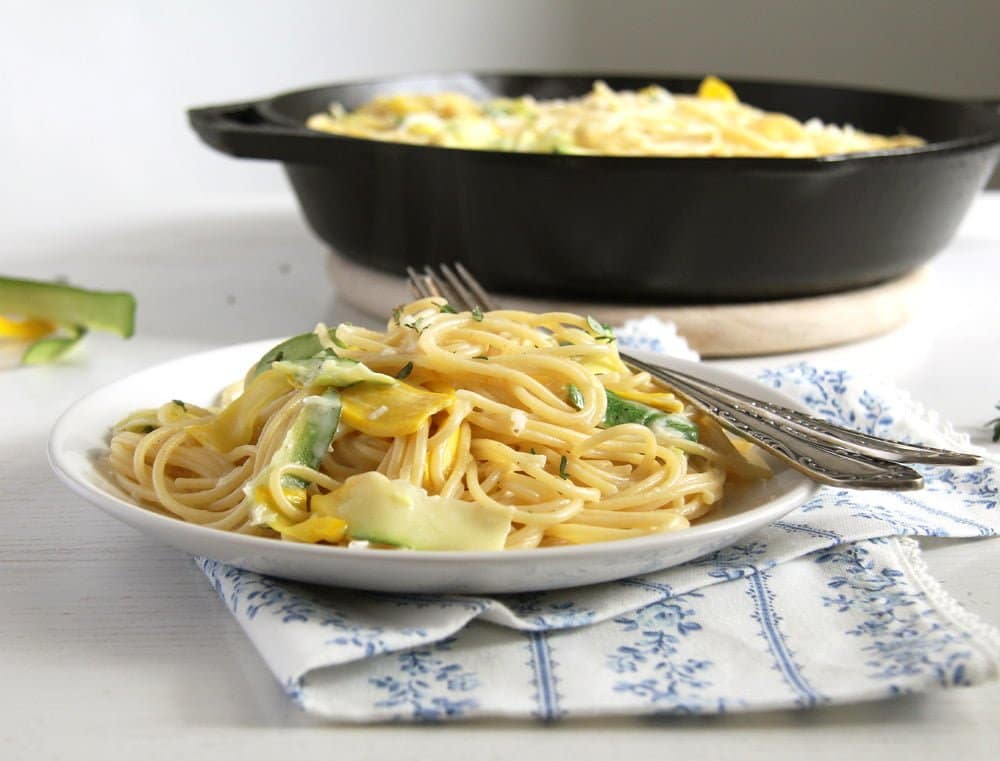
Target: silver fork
(824,452)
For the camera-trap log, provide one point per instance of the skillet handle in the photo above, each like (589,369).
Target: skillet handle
(239,129)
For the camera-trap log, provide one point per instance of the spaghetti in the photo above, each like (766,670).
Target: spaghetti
(647,122)
(448,430)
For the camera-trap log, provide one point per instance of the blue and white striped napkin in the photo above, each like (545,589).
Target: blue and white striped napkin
(831,604)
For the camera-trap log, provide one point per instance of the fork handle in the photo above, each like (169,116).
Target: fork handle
(817,459)
(792,422)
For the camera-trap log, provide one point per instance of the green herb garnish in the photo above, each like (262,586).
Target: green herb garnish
(477,314)
(563,462)
(299,347)
(418,326)
(180,404)
(621,411)
(448,308)
(602,331)
(397,313)
(574,396)
(404,371)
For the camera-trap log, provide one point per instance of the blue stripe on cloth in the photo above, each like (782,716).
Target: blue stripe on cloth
(543,676)
(983,530)
(783,657)
(820,532)
(423,600)
(666,589)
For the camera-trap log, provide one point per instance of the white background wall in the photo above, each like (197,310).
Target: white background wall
(93,93)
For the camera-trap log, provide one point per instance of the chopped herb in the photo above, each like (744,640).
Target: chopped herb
(477,314)
(405,371)
(148,428)
(574,396)
(621,411)
(563,462)
(532,450)
(304,346)
(481,356)
(995,422)
(448,308)
(418,325)
(180,404)
(602,331)
(596,325)
(397,313)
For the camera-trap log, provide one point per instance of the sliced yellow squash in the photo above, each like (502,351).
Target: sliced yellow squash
(396,410)
(234,426)
(713,88)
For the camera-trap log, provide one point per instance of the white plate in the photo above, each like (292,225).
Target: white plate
(81,435)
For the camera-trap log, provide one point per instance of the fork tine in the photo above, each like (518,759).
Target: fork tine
(444,288)
(421,285)
(482,298)
(466,299)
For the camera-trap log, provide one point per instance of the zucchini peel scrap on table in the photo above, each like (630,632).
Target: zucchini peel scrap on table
(51,318)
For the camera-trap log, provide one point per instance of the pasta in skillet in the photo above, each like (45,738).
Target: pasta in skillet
(446,431)
(649,122)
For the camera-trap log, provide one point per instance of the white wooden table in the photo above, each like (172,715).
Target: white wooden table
(113,646)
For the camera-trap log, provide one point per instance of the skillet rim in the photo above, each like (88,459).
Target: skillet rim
(268,108)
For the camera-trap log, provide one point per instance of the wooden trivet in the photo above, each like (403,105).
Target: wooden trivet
(713,330)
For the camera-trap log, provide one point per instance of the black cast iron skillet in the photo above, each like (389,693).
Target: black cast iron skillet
(629,229)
